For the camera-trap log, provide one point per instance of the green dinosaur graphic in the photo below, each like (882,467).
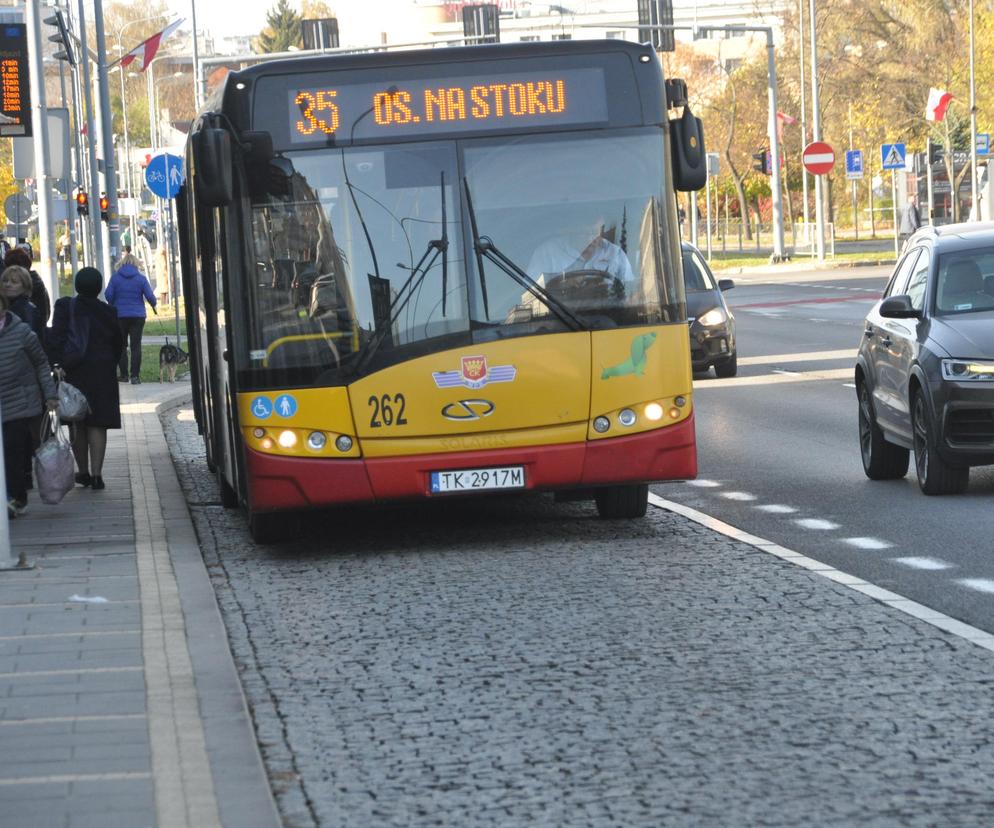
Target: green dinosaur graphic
(635,364)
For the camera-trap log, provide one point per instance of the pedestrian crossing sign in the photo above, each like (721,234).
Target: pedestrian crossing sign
(892,156)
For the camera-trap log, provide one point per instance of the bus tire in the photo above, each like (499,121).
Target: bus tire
(623,501)
(229,495)
(269,527)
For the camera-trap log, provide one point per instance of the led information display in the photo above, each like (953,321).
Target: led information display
(15,98)
(347,112)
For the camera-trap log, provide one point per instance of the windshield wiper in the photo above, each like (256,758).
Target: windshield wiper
(485,248)
(434,249)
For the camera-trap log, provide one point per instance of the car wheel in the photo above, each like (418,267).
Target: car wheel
(727,367)
(881,460)
(935,476)
(623,501)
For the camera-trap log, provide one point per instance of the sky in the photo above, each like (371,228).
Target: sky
(218,16)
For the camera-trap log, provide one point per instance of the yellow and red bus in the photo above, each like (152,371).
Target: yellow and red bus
(441,272)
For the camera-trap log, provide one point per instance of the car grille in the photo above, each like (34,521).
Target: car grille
(971,426)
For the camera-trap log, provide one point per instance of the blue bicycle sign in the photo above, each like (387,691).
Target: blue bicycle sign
(164,175)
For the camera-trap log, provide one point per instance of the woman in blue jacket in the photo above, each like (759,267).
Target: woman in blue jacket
(127,292)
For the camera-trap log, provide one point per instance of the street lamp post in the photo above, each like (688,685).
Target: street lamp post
(975,207)
(816,135)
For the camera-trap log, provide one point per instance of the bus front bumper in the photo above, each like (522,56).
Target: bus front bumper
(302,483)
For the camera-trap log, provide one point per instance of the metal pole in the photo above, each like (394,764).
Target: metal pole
(67,177)
(110,173)
(173,281)
(707,202)
(855,209)
(816,134)
(804,117)
(98,242)
(928,182)
(975,209)
(42,150)
(196,58)
(778,250)
(893,195)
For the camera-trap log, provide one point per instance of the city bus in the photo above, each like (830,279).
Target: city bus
(441,272)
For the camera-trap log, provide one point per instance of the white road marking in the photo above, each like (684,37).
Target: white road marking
(704,484)
(773,378)
(738,495)
(868,543)
(885,596)
(979,584)
(816,523)
(930,564)
(848,385)
(800,356)
(785,371)
(776,509)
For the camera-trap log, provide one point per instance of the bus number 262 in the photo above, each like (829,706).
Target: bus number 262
(387,410)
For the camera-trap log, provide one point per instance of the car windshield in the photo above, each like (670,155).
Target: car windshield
(965,282)
(695,273)
(583,217)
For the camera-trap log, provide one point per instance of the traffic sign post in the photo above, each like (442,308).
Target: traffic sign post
(854,164)
(164,177)
(983,143)
(892,157)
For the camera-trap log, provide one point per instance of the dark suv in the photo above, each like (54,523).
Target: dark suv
(925,369)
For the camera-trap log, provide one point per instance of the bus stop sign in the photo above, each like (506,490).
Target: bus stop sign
(164,175)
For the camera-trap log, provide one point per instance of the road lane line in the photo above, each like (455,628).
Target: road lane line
(704,484)
(979,584)
(775,379)
(877,593)
(776,508)
(799,356)
(738,495)
(818,524)
(868,543)
(929,564)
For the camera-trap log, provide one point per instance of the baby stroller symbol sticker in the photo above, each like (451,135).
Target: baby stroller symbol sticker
(286,406)
(261,408)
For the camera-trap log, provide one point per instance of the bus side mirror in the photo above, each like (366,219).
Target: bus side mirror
(689,158)
(212,175)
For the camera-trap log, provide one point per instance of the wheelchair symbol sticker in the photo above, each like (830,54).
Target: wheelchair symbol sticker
(286,406)
(261,408)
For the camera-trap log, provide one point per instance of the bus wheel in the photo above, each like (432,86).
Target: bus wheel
(623,501)
(271,527)
(229,495)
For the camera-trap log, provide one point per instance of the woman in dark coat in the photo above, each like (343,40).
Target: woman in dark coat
(95,375)
(39,293)
(15,282)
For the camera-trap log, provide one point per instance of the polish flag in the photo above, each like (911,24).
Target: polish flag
(938,103)
(783,118)
(146,50)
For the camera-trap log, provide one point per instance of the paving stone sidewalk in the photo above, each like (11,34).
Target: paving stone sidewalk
(119,701)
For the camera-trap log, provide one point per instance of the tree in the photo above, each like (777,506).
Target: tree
(282,31)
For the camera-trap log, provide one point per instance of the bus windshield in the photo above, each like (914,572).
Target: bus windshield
(338,235)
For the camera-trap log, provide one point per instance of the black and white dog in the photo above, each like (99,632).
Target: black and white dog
(170,358)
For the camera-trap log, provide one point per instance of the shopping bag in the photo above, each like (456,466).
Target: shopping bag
(54,468)
(73,405)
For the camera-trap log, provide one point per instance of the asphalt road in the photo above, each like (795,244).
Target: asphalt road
(779,452)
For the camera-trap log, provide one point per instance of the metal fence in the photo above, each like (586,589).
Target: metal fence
(735,237)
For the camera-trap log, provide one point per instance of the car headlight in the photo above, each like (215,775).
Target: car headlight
(715,316)
(967,370)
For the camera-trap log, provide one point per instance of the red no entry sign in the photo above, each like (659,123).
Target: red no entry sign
(818,158)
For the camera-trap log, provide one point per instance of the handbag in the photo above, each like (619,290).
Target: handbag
(73,405)
(77,338)
(54,467)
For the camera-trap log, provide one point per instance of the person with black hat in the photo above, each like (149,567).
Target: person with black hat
(86,341)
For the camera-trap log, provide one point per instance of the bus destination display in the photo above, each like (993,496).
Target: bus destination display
(347,112)
(15,103)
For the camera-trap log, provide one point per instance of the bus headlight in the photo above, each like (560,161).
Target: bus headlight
(601,424)
(343,443)
(316,440)
(653,411)
(287,439)
(626,417)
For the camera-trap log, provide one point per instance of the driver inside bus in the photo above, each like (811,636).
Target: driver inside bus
(588,250)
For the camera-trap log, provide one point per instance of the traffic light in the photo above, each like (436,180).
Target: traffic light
(762,160)
(61,37)
(935,153)
(104,204)
(82,203)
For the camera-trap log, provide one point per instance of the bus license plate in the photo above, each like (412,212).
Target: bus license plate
(476,480)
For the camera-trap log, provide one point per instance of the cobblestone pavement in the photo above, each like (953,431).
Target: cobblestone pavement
(514,662)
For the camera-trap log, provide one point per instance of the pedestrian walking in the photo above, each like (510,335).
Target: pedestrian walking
(910,218)
(128,291)
(24,257)
(15,282)
(84,323)
(25,380)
